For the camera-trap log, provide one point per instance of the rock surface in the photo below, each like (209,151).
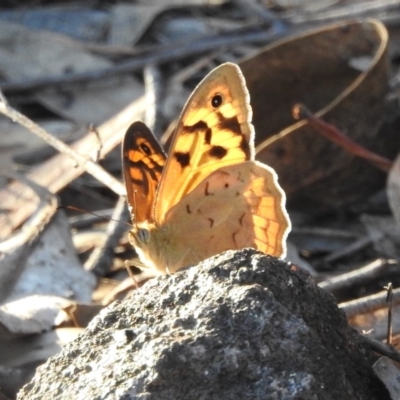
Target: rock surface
(241,325)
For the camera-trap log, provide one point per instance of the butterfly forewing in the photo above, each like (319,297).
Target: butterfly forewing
(143,163)
(214,130)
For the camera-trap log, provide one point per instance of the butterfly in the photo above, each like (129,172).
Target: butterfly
(209,194)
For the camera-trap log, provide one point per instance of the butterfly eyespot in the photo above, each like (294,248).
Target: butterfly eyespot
(146,149)
(216,101)
(144,235)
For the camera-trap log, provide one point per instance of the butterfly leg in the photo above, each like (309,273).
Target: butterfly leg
(129,264)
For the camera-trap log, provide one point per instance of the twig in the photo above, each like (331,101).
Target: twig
(101,258)
(358,276)
(325,232)
(336,136)
(389,301)
(154,85)
(382,348)
(368,303)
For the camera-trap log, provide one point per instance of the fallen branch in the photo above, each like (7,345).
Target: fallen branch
(369,303)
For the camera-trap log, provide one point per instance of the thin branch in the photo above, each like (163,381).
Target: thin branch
(358,276)
(101,259)
(382,348)
(389,301)
(154,85)
(369,303)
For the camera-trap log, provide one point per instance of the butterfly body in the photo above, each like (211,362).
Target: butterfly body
(209,194)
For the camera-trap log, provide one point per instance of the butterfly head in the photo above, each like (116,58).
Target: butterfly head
(143,239)
(157,249)
(140,235)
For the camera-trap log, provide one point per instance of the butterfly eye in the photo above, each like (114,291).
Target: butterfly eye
(146,149)
(144,235)
(216,101)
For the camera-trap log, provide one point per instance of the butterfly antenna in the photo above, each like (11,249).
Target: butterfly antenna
(81,210)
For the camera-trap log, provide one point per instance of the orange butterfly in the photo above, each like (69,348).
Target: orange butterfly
(209,194)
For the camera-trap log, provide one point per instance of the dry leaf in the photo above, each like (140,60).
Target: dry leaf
(314,172)
(81,22)
(52,267)
(30,54)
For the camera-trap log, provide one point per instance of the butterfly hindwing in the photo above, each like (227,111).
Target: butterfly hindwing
(143,164)
(214,130)
(235,207)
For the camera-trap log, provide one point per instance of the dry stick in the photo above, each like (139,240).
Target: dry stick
(325,232)
(154,85)
(369,303)
(360,275)
(84,162)
(382,348)
(164,55)
(336,136)
(389,301)
(102,257)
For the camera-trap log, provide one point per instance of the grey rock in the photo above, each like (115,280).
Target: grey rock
(241,325)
